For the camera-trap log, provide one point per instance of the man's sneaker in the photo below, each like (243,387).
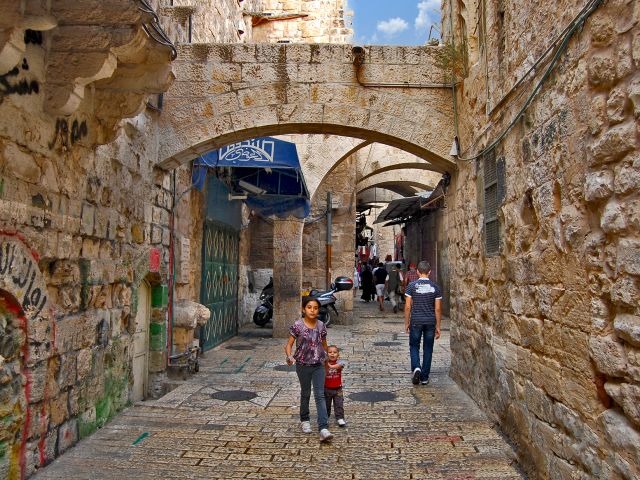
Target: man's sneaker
(424,382)
(325,435)
(416,376)
(306,427)
(341,422)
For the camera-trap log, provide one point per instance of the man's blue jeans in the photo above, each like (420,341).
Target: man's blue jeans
(427,333)
(308,375)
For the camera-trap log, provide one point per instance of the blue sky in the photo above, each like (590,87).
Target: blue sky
(394,22)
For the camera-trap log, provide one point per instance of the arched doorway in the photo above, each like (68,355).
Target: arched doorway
(15,386)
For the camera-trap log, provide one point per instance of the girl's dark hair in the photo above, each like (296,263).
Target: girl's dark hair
(308,299)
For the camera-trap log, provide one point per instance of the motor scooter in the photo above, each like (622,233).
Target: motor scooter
(264,312)
(327,299)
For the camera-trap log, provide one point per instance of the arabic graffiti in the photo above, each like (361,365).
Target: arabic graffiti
(10,85)
(68,137)
(33,36)
(20,275)
(258,150)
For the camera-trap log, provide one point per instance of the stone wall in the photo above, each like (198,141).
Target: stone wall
(207,21)
(341,184)
(545,333)
(82,226)
(323,21)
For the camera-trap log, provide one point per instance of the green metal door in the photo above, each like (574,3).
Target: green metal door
(219,290)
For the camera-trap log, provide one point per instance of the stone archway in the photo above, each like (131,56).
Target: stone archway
(28,336)
(229,93)
(15,413)
(404,188)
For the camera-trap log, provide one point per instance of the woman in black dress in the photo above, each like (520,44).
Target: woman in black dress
(368,289)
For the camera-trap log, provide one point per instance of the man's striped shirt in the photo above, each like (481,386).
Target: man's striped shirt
(423,293)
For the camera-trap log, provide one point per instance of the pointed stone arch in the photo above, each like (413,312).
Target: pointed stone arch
(415,178)
(405,188)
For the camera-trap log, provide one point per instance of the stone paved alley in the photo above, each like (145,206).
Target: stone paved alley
(424,432)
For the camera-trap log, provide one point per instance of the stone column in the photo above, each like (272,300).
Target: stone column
(287,273)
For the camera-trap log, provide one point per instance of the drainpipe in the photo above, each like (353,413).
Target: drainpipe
(172,262)
(172,278)
(329,232)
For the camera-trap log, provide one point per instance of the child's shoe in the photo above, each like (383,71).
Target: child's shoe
(325,435)
(342,423)
(306,427)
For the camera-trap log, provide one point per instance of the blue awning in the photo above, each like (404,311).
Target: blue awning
(266,169)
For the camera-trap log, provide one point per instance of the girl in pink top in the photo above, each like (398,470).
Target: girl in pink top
(310,335)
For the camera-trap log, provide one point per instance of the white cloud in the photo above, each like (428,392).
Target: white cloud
(392,26)
(428,14)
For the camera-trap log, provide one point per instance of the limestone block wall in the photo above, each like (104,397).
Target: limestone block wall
(217,21)
(545,334)
(341,184)
(81,227)
(324,21)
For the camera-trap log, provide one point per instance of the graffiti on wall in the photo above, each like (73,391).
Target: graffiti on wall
(18,274)
(66,136)
(24,297)
(11,84)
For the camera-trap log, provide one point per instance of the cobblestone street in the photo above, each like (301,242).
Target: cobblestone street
(401,431)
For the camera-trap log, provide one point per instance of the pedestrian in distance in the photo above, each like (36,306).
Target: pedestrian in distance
(411,275)
(310,336)
(393,285)
(422,314)
(333,384)
(368,288)
(380,278)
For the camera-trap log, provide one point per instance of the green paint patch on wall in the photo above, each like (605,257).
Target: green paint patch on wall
(157,337)
(114,398)
(86,428)
(159,296)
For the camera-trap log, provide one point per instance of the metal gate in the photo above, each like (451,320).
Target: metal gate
(219,291)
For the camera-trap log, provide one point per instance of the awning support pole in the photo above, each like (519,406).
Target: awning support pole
(329,232)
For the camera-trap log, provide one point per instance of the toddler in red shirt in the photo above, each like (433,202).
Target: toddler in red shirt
(333,384)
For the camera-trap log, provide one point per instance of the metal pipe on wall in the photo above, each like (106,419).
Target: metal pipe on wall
(328,241)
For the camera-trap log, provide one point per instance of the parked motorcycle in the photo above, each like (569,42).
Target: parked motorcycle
(264,312)
(327,298)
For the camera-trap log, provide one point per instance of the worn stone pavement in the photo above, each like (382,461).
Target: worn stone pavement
(425,432)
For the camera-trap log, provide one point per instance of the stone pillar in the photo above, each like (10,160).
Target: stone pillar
(287,273)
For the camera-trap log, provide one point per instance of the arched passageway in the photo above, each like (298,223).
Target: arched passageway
(230,93)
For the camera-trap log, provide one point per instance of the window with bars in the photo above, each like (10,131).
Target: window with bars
(493,176)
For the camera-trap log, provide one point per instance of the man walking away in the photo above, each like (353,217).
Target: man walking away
(422,313)
(380,278)
(394,282)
